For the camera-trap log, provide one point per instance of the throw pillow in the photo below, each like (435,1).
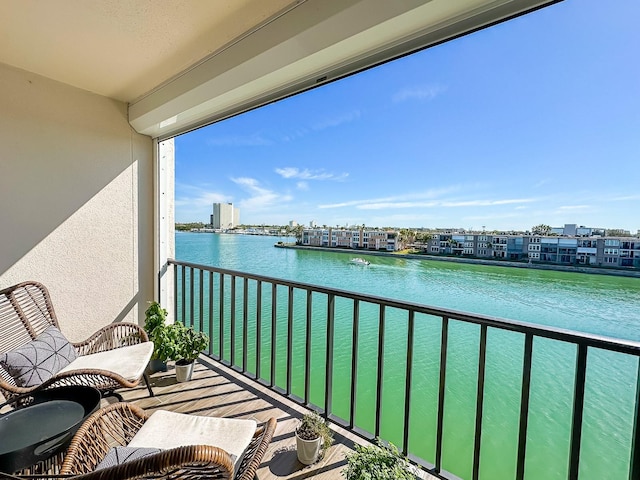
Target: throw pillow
(39,360)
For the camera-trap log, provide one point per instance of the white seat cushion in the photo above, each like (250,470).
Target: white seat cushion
(170,430)
(129,362)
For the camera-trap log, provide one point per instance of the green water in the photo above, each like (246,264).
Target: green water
(591,303)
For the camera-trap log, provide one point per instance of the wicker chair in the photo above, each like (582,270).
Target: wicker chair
(26,311)
(116,425)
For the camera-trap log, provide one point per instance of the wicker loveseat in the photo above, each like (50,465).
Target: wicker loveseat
(121,424)
(114,357)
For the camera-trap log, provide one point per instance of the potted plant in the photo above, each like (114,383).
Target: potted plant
(377,462)
(155,326)
(188,345)
(313,438)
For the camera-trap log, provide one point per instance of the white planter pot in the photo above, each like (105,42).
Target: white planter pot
(308,450)
(184,372)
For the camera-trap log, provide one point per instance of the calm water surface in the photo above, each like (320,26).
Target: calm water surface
(598,304)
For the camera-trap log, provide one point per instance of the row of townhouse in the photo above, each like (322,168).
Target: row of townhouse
(351,238)
(595,251)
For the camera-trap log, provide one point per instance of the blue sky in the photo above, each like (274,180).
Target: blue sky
(536,120)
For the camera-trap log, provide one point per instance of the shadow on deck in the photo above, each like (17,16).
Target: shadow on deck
(216,390)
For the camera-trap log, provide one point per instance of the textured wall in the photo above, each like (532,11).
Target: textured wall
(76,189)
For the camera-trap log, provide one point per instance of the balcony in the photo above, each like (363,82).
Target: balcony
(378,367)
(91,207)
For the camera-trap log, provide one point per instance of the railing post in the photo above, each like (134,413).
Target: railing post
(380,376)
(274,314)
(221,314)
(444,338)
(210,313)
(479,402)
(407,381)
(258,328)
(192,320)
(232,333)
(524,406)
(289,338)
(307,353)
(634,464)
(354,362)
(201,303)
(578,408)
(184,295)
(328,386)
(245,323)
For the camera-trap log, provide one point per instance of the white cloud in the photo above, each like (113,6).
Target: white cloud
(542,182)
(261,198)
(496,216)
(421,93)
(198,196)
(571,208)
(306,174)
(402,219)
(255,140)
(295,134)
(432,198)
(445,204)
(302,186)
(383,205)
(626,198)
(194,203)
(426,195)
(486,203)
(337,120)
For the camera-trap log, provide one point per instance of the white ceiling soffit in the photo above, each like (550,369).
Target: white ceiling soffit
(316,42)
(122,49)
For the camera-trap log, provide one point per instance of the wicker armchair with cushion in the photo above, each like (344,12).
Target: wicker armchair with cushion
(34,354)
(121,441)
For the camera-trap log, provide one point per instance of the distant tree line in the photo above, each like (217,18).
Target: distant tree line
(185,227)
(541,229)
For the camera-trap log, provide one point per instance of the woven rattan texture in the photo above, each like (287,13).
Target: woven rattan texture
(116,424)
(26,311)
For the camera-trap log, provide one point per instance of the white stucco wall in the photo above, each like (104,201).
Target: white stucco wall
(76,201)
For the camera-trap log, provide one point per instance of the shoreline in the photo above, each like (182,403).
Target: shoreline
(476,261)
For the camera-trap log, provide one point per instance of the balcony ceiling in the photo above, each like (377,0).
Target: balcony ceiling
(180,64)
(121,48)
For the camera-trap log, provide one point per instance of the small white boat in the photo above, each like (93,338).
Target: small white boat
(360,261)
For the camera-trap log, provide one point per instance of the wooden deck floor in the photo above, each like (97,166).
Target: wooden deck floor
(218,391)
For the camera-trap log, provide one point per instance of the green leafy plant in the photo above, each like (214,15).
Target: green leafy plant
(313,426)
(187,343)
(155,326)
(377,462)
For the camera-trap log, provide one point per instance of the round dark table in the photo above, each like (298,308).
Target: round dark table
(45,426)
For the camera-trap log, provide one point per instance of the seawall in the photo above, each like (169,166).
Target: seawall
(477,261)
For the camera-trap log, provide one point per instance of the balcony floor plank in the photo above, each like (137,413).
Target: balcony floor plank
(216,390)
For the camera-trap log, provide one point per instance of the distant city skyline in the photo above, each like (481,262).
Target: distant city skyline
(531,121)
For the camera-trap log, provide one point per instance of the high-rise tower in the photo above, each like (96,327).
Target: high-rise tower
(225,216)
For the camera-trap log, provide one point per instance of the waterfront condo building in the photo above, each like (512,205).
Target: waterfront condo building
(560,250)
(225,216)
(597,251)
(351,238)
